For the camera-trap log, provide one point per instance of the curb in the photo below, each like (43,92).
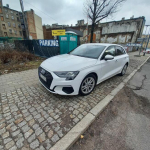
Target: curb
(72,136)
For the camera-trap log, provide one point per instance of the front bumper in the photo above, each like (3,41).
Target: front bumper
(57,85)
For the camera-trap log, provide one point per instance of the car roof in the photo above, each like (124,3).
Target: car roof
(104,44)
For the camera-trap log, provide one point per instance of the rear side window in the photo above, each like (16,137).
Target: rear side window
(109,51)
(119,51)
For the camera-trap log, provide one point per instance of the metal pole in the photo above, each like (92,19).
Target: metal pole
(148,41)
(24,19)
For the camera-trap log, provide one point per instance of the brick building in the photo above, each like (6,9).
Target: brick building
(12,23)
(34,23)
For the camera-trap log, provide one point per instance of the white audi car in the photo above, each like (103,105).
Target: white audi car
(79,71)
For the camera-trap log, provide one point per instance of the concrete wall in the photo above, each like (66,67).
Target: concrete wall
(38,26)
(121,32)
(115,27)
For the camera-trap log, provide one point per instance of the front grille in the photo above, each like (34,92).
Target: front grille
(49,77)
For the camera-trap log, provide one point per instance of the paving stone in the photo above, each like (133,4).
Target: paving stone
(3,130)
(22,123)
(13,128)
(60,133)
(15,133)
(28,118)
(41,137)
(80,116)
(27,134)
(9,144)
(31,138)
(7,140)
(25,128)
(35,126)
(76,120)
(13,148)
(55,138)
(31,122)
(50,133)
(48,144)
(19,143)
(38,131)
(34,144)
(5,135)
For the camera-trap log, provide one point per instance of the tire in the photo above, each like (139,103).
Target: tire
(123,72)
(87,88)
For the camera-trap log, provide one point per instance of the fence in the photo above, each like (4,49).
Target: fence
(43,48)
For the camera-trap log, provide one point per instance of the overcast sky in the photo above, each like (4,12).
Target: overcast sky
(69,11)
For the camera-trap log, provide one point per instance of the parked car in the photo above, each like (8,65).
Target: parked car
(147,51)
(79,71)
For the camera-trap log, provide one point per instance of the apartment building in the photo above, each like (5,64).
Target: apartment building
(10,22)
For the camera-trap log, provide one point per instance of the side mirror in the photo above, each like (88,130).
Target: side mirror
(109,57)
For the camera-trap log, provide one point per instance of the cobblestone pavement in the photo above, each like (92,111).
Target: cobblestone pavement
(33,118)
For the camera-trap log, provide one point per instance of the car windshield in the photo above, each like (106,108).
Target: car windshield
(90,51)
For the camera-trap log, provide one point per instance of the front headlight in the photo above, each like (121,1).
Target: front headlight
(69,75)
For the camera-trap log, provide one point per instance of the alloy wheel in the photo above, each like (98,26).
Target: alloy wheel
(88,85)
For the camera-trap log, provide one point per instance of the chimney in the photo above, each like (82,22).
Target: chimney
(7,5)
(123,18)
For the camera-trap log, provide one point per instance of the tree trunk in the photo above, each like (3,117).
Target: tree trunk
(92,30)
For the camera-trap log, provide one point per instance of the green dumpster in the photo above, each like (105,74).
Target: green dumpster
(67,42)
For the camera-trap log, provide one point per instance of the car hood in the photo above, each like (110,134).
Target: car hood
(67,62)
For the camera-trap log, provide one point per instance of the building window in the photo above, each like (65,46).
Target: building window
(15,32)
(19,25)
(11,12)
(22,26)
(21,20)
(20,33)
(12,17)
(9,24)
(5,34)
(7,16)
(4,27)
(14,25)
(18,19)
(6,10)
(2,18)
(10,31)
(0,10)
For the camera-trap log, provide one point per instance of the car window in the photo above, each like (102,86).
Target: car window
(109,51)
(89,51)
(119,51)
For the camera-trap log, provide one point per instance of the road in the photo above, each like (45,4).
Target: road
(125,123)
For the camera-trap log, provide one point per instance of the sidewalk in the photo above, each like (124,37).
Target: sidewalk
(33,118)
(125,123)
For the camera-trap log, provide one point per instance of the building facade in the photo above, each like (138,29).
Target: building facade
(10,22)
(119,32)
(34,23)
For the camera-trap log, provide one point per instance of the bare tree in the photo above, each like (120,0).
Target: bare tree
(96,10)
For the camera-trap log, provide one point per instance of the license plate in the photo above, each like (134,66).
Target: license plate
(44,78)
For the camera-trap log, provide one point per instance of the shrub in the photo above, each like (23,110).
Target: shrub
(14,56)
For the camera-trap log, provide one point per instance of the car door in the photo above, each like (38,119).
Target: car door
(107,67)
(120,58)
